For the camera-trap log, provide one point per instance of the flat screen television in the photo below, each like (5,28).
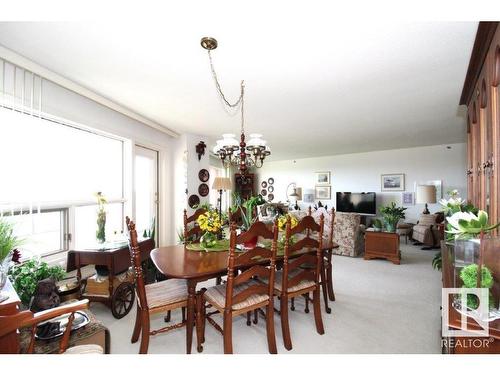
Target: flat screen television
(362,203)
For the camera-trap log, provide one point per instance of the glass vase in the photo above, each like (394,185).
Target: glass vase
(208,240)
(101,227)
(4,270)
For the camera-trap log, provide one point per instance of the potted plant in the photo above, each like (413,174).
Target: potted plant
(8,244)
(25,277)
(391,215)
(101,217)
(247,208)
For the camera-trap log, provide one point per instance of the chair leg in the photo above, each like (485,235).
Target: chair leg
(228,332)
(183,309)
(329,277)
(317,311)
(145,332)
(285,328)
(249,318)
(168,317)
(306,298)
(271,335)
(218,281)
(256,316)
(324,289)
(292,305)
(137,327)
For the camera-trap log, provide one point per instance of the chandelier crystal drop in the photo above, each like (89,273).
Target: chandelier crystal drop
(231,151)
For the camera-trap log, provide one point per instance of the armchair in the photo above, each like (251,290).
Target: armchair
(348,234)
(29,319)
(427,230)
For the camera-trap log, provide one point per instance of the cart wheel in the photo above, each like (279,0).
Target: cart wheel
(122,300)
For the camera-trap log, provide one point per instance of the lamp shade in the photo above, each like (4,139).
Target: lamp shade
(222,183)
(426,194)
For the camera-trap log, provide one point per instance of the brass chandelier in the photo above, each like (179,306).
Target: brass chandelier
(232,152)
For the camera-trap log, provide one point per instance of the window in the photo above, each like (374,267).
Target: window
(53,171)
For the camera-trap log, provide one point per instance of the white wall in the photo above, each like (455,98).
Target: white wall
(361,172)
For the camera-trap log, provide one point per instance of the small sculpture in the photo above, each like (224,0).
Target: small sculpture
(46,296)
(200,149)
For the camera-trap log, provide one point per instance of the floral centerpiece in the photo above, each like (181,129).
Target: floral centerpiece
(247,208)
(282,221)
(100,234)
(466,225)
(210,223)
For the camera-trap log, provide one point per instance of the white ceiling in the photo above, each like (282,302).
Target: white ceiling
(313,86)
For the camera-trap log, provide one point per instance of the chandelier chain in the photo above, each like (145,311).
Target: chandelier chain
(238,102)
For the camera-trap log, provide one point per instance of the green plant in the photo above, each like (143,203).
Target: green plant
(25,277)
(466,225)
(437,261)
(247,208)
(469,275)
(101,217)
(392,214)
(180,235)
(377,223)
(8,241)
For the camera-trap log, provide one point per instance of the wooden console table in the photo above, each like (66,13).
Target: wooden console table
(382,245)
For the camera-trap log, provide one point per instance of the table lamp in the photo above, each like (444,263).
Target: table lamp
(426,194)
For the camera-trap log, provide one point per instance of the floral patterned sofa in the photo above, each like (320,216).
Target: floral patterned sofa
(348,233)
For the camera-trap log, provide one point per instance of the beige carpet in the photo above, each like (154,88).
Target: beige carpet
(380,308)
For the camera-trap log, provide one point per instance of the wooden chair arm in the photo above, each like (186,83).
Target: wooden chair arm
(12,322)
(57,311)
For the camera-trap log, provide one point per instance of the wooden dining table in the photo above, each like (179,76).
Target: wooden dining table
(176,262)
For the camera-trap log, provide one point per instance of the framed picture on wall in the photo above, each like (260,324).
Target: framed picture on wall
(392,182)
(323,192)
(407,199)
(322,178)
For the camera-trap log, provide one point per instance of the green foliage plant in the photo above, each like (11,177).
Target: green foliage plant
(392,214)
(468,275)
(8,241)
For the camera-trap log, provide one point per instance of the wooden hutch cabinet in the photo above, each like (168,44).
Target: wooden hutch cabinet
(481,95)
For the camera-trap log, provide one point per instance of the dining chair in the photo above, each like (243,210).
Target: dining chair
(27,318)
(242,292)
(192,232)
(293,280)
(163,296)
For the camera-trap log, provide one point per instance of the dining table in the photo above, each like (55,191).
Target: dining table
(178,262)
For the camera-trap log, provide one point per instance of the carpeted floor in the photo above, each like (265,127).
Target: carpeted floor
(380,308)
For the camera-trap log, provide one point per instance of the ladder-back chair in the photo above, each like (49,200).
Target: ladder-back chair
(242,293)
(163,296)
(294,280)
(192,232)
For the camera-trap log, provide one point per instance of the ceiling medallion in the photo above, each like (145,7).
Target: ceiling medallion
(232,152)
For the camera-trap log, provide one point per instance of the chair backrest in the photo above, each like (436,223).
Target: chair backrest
(192,233)
(249,257)
(331,225)
(307,243)
(136,263)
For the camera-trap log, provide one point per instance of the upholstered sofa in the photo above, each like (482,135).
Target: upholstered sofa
(426,231)
(348,233)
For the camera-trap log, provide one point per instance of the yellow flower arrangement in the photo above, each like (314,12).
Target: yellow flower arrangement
(283,219)
(209,222)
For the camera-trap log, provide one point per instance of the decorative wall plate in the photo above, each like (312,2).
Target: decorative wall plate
(263,184)
(203,175)
(193,201)
(203,190)
(263,192)
(270,180)
(270,197)
(270,189)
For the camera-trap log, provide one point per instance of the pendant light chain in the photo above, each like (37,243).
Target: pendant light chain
(238,102)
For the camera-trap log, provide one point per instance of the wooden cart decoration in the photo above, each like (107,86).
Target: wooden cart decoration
(117,289)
